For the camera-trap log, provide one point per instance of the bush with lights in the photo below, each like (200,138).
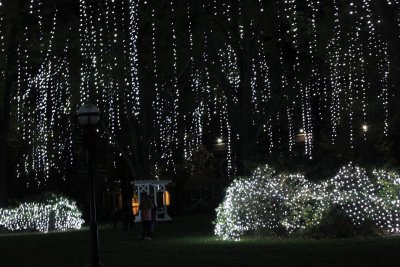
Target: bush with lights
(363,198)
(55,213)
(268,203)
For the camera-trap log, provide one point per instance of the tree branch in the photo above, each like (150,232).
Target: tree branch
(124,153)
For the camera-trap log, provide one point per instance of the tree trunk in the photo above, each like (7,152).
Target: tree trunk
(245,124)
(10,79)
(247,138)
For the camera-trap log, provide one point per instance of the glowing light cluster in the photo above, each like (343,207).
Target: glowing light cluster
(269,202)
(56,214)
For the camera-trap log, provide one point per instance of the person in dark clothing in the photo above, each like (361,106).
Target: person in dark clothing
(125,218)
(153,217)
(131,218)
(145,207)
(115,216)
(128,218)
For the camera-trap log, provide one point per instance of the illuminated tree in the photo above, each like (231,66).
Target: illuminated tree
(172,75)
(8,54)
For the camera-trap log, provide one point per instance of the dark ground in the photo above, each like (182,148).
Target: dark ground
(188,241)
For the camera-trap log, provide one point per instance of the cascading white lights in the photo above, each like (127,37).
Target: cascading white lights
(43,101)
(315,69)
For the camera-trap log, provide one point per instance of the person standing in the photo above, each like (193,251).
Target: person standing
(153,217)
(115,216)
(145,207)
(128,218)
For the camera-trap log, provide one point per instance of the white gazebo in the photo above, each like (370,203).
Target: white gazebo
(157,188)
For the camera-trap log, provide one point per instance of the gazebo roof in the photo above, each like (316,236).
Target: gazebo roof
(150,182)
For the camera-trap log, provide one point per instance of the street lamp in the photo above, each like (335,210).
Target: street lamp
(89,117)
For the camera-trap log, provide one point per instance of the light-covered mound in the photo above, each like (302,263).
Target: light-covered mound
(277,203)
(56,213)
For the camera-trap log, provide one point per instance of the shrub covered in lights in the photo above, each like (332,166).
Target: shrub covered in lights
(55,213)
(269,203)
(367,198)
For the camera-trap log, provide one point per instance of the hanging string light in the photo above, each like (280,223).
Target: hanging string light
(133,54)
(176,92)
(195,84)
(3,56)
(262,95)
(162,107)
(285,87)
(303,89)
(44,103)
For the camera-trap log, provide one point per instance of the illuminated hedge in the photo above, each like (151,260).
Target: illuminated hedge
(363,197)
(272,203)
(57,213)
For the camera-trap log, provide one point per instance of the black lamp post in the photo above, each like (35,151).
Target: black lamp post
(89,117)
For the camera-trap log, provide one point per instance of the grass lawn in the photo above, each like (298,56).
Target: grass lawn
(188,241)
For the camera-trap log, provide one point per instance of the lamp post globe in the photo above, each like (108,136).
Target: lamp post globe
(88,117)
